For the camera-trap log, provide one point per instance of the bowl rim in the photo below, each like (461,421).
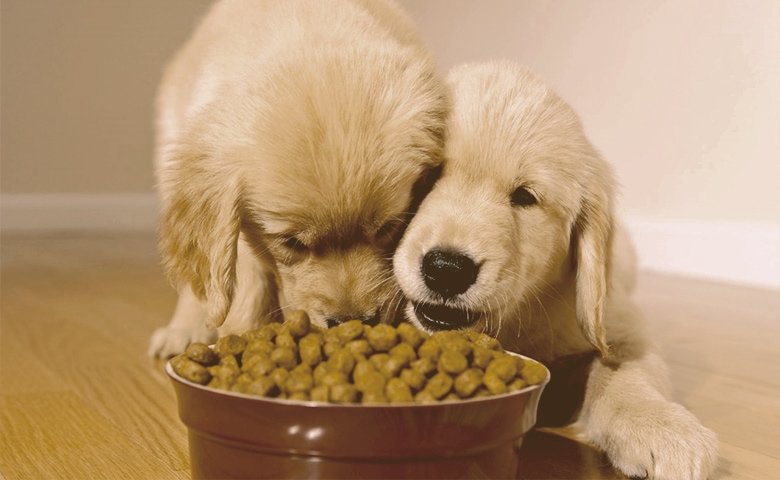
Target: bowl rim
(314,404)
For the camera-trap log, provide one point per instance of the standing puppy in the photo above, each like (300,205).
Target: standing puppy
(294,137)
(518,239)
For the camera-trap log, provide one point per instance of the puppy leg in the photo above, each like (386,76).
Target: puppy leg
(627,414)
(255,301)
(187,325)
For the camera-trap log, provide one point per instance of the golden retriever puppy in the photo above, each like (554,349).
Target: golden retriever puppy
(291,135)
(518,238)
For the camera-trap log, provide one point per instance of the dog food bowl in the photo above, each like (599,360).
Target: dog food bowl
(232,435)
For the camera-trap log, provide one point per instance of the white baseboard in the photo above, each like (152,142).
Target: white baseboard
(78,212)
(736,252)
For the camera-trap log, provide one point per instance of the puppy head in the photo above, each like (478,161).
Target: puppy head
(523,204)
(320,166)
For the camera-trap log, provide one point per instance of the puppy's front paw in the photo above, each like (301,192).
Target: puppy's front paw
(660,440)
(169,341)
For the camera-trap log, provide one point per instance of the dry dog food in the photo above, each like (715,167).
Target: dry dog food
(356,363)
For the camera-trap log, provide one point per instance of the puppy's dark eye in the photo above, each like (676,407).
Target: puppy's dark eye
(521,197)
(294,244)
(425,183)
(389,233)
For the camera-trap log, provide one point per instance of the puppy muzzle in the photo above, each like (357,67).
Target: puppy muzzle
(441,317)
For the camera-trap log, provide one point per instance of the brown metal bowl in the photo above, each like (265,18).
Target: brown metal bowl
(233,435)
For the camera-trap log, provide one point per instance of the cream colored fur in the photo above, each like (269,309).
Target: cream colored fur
(290,136)
(554,277)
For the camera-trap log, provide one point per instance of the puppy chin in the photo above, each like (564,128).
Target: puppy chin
(478,321)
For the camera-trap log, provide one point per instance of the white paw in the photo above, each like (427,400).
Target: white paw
(660,440)
(169,341)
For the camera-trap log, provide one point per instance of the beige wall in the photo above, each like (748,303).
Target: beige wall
(682,99)
(682,96)
(78,80)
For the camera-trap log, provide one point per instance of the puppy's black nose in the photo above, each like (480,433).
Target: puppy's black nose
(448,272)
(369,319)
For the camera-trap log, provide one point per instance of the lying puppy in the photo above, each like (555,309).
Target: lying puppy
(518,239)
(291,135)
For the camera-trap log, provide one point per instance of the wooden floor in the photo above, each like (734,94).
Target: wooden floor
(79,398)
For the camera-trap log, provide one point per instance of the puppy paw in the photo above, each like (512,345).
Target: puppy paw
(169,341)
(660,440)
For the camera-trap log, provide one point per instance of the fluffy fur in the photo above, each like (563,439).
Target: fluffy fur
(554,277)
(290,136)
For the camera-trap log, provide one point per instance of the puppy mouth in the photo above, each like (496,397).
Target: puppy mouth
(442,317)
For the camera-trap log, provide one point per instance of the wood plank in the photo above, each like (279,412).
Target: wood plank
(745,413)
(744,464)
(56,435)
(22,372)
(734,332)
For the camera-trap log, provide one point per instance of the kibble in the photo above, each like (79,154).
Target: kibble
(259,346)
(429,349)
(468,382)
(190,369)
(397,391)
(343,393)
(533,372)
(357,363)
(349,330)
(286,340)
(405,352)
(310,349)
(439,385)
(241,383)
(410,335)
(413,378)
(260,367)
(359,347)
(373,397)
(330,347)
(392,367)
(230,345)
(504,368)
(298,323)
(201,353)
(261,386)
(382,338)
(279,376)
(452,362)
(319,393)
(342,361)
(284,357)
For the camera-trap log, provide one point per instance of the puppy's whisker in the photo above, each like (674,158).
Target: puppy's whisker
(543,283)
(534,293)
(391,305)
(389,300)
(399,301)
(274,311)
(380,283)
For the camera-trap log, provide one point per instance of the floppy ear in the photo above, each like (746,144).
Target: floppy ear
(199,228)
(593,245)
